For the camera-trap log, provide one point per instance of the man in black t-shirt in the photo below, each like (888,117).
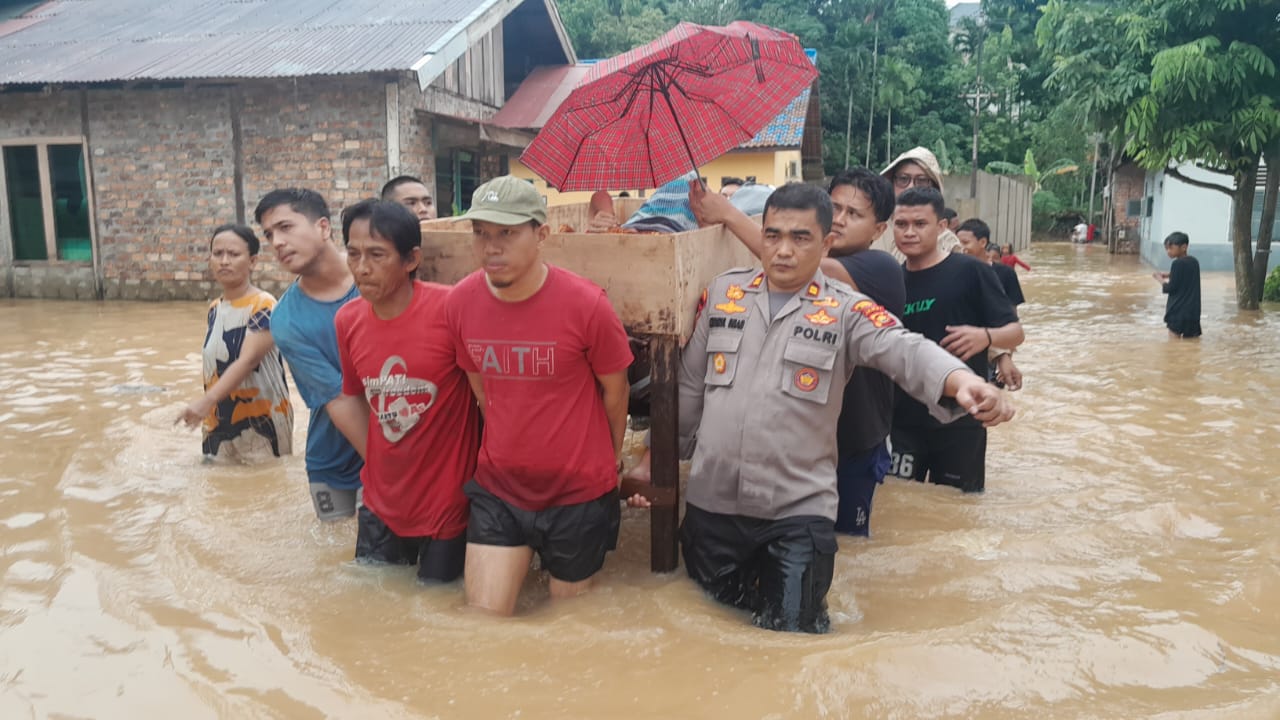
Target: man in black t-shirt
(863,202)
(1008,276)
(956,301)
(975,240)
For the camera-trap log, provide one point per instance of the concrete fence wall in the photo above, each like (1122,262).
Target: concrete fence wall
(1002,201)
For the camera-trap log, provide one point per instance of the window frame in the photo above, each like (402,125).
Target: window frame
(45,175)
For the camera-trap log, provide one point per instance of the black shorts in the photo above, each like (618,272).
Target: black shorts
(780,570)
(570,540)
(438,559)
(954,456)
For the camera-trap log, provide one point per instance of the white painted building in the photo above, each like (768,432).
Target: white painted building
(1171,205)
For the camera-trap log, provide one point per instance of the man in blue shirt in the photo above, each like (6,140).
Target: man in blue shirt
(296,223)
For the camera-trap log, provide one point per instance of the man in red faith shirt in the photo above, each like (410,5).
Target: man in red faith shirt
(547,359)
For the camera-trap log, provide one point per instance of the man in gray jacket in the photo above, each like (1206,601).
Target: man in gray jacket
(761,387)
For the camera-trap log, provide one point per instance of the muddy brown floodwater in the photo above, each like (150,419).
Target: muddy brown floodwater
(1123,563)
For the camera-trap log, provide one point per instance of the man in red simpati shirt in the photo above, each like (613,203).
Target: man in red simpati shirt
(423,424)
(547,358)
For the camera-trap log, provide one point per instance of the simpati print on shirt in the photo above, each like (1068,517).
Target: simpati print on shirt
(389,395)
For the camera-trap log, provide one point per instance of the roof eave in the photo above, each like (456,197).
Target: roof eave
(565,44)
(487,15)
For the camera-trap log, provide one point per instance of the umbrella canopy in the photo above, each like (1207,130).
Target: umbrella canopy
(650,115)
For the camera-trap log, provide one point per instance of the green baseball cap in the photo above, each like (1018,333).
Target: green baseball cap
(507,200)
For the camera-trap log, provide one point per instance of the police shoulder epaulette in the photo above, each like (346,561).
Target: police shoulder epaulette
(840,286)
(736,271)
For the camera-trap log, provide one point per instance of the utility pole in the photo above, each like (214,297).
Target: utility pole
(848,123)
(977,112)
(977,98)
(871,114)
(1093,176)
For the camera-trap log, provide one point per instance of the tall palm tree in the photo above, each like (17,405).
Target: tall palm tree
(877,12)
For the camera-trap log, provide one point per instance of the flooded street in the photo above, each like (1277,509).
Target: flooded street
(1124,561)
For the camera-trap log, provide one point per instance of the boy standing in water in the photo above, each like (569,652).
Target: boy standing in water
(1182,285)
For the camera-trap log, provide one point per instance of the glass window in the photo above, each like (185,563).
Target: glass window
(70,203)
(445,205)
(457,177)
(466,177)
(26,206)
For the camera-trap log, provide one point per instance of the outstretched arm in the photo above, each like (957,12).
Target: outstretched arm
(979,398)
(923,370)
(255,347)
(715,209)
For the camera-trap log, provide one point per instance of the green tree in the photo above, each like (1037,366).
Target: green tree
(1212,99)
(898,90)
(604,28)
(1016,20)
(1097,71)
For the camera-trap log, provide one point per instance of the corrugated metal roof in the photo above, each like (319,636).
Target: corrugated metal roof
(533,103)
(74,41)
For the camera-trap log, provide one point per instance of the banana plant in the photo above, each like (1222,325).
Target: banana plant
(1029,169)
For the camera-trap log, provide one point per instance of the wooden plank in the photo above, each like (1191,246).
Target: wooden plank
(392,92)
(664,516)
(499,87)
(653,281)
(46,190)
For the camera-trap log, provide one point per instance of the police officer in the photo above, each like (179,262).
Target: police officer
(761,388)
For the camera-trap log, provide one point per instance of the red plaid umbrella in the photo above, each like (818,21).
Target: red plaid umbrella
(650,115)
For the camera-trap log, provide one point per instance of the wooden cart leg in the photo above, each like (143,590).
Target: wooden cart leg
(664,518)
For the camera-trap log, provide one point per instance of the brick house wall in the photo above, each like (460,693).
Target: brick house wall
(1128,194)
(163,166)
(417,154)
(162,179)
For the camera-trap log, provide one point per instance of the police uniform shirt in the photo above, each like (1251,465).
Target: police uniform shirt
(759,398)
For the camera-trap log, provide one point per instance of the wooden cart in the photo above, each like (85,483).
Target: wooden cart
(654,282)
